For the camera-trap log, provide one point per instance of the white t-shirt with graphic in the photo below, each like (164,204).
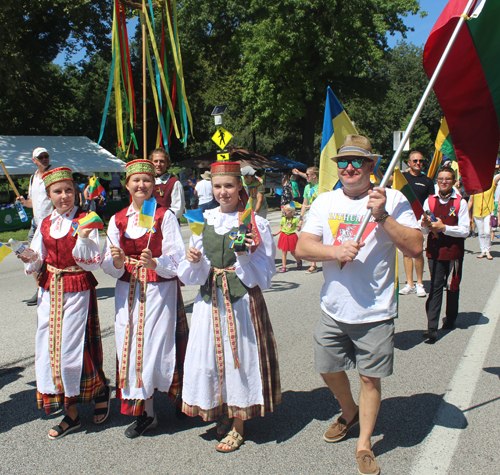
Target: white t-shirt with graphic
(361,291)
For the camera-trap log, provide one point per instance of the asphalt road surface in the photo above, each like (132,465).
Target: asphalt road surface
(439,413)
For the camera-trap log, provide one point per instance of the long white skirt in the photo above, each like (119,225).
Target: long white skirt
(159,337)
(242,387)
(76,308)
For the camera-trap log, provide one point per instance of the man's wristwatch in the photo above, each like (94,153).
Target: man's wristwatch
(382,218)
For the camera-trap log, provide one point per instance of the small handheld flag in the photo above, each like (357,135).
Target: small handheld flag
(246,216)
(95,188)
(147,213)
(4,251)
(195,220)
(92,221)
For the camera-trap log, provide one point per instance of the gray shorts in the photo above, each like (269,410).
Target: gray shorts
(369,347)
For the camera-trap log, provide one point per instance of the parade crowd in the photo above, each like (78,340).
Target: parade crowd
(224,367)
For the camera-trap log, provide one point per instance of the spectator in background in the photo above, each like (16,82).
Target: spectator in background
(423,187)
(205,193)
(287,192)
(193,195)
(38,200)
(295,189)
(254,187)
(482,207)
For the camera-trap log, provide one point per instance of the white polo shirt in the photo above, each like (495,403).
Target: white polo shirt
(42,206)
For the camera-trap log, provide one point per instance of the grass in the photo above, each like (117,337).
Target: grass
(18,235)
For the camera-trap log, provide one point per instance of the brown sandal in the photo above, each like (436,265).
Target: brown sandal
(223,425)
(233,439)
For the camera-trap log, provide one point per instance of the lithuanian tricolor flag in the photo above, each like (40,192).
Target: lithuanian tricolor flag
(95,188)
(401,184)
(468,87)
(92,220)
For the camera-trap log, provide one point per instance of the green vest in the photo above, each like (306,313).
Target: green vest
(221,256)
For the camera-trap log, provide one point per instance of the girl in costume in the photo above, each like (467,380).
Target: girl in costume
(150,326)
(231,368)
(288,236)
(68,339)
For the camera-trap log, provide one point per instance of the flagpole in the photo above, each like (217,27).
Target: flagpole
(416,114)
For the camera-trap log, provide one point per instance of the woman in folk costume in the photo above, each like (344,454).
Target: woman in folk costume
(68,338)
(150,326)
(231,370)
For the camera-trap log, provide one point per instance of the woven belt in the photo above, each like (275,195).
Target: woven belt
(138,274)
(55,320)
(219,344)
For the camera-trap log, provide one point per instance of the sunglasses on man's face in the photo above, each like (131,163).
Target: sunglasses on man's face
(355,162)
(418,161)
(41,157)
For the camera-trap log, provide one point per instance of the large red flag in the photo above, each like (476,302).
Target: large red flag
(468,87)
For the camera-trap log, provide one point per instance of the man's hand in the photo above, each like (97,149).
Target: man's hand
(193,255)
(118,256)
(348,251)
(376,201)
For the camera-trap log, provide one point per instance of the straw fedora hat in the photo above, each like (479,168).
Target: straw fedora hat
(356,146)
(206,176)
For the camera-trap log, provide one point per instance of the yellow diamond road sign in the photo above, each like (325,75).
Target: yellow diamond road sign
(222,137)
(222,156)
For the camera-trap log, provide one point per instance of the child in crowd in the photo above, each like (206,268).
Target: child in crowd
(68,337)
(231,369)
(288,236)
(148,302)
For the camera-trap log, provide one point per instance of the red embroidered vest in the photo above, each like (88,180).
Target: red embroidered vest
(60,255)
(163,192)
(445,248)
(134,247)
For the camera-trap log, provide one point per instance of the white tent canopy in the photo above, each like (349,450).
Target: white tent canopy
(80,154)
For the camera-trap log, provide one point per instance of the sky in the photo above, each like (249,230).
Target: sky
(423,27)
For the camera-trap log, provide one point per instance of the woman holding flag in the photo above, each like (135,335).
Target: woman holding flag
(231,369)
(68,339)
(144,249)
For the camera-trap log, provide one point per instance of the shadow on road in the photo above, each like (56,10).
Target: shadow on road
(297,410)
(9,375)
(406,421)
(104,293)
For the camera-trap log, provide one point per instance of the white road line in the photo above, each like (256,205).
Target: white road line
(439,446)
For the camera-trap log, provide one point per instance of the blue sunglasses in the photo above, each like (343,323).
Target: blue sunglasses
(355,162)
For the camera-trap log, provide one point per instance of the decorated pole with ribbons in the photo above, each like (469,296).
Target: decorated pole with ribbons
(416,114)
(161,67)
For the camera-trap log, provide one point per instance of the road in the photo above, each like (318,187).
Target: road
(439,413)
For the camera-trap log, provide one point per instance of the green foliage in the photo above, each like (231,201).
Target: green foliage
(398,85)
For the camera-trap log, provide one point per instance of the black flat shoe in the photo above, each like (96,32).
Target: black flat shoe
(33,300)
(430,335)
(72,426)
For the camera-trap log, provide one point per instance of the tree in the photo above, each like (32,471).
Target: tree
(32,34)
(399,84)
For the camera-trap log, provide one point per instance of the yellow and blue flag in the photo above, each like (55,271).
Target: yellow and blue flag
(4,251)
(195,220)
(147,213)
(336,126)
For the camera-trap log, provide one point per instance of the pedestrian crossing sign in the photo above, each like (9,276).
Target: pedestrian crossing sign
(222,137)
(222,156)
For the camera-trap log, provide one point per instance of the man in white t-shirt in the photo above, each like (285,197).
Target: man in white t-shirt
(37,199)
(358,299)
(205,193)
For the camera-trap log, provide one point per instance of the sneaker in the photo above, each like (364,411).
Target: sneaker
(421,290)
(407,289)
(33,300)
(338,430)
(367,463)
(141,425)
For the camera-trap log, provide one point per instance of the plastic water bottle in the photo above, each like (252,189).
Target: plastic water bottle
(20,211)
(20,249)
